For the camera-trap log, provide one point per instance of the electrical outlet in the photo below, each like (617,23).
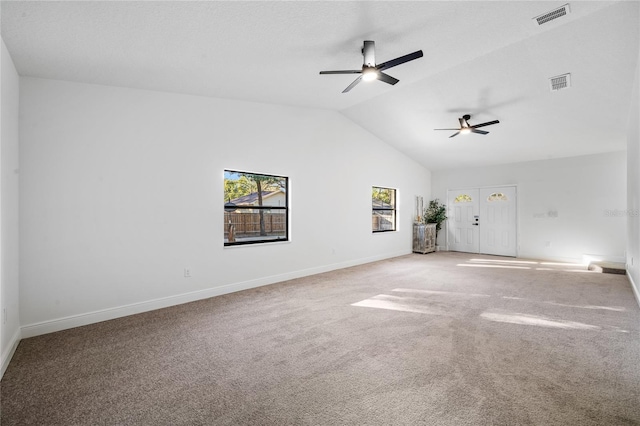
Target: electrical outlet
(187,273)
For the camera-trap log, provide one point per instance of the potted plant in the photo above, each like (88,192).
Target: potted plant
(436,213)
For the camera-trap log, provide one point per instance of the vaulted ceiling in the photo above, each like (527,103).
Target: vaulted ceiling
(487,59)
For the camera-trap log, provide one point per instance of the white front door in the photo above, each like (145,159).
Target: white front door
(462,220)
(498,221)
(482,220)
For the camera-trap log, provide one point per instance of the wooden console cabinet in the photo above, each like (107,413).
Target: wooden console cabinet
(424,238)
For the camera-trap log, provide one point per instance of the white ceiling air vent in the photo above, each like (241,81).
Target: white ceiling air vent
(551,15)
(560,82)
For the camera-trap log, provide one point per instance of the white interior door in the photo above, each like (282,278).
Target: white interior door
(498,221)
(462,220)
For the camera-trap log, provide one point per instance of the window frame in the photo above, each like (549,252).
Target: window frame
(284,208)
(393,209)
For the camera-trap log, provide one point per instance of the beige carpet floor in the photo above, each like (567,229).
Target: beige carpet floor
(436,339)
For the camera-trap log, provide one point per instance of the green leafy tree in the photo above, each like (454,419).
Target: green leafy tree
(236,188)
(381,194)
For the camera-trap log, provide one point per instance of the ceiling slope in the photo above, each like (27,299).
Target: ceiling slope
(487,59)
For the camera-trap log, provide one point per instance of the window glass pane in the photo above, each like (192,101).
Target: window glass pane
(383,220)
(463,198)
(383,197)
(255,208)
(497,196)
(253,225)
(241,188)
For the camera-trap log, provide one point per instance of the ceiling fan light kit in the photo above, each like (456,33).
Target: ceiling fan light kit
(369,74)
(465,128)
(370,71)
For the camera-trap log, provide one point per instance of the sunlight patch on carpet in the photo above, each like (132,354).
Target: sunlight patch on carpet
(561,264)
(537,320)
(565,305)
(493,266)
(604,308)
(395,303)
(526,264)
(438,292)
(543,321)
(503,261)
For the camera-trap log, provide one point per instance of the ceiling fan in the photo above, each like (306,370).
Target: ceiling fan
(465,128)
(370,71)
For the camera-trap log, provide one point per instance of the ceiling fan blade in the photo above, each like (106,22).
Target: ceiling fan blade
(387,78)
(446,129)
(342,72)
(488,123)
(352,85)
(480,132)
(400,60)
(369,53)
(455,134)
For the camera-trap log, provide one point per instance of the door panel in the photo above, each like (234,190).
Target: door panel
(462,233)
(498,221)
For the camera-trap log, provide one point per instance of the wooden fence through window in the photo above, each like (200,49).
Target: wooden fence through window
(381,223)
(248,224)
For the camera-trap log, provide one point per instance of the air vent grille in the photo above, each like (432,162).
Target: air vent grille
(554,14)
(560,82)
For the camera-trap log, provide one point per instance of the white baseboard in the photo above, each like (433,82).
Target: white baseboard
(9,351)
(72,321)
(634,287)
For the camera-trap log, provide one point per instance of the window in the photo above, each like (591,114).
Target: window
(497,196)
(463,198)
(384,209)
(255,208)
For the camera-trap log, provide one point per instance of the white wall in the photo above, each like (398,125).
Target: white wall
(122,189)
(9,266)
(588,194)
(633,188)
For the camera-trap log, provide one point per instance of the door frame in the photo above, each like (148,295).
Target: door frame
(485,187)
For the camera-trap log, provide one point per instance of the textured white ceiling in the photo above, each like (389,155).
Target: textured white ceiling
(487,59)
